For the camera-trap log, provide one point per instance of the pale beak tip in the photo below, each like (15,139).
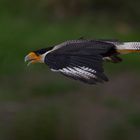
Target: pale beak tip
(26,59)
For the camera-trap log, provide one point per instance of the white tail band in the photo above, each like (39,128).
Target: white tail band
(129,46)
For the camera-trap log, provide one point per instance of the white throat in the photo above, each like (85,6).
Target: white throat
(43,56)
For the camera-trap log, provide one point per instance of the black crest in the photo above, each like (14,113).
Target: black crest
(42,51)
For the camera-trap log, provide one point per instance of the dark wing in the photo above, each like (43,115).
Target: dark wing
(79,67)
(80,60)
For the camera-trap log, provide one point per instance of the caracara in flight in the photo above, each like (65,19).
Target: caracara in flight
(82,59)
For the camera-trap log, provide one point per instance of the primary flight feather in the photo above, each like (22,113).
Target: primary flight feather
(82,59)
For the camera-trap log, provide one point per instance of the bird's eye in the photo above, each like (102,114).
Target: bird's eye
(37,54)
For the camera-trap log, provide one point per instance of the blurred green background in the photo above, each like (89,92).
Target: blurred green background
(36,104)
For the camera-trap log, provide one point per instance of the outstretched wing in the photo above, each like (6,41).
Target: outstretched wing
(80,59)
(86,68)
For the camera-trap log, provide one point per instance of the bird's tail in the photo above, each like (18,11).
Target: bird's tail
(128,47)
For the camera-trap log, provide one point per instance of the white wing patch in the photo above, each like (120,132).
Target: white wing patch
(81,72)
(88,69)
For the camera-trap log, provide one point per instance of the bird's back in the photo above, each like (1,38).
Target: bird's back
(84,47)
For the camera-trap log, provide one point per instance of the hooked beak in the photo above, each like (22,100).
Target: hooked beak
(32,58)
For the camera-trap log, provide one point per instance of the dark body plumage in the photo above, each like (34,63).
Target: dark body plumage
(82,59)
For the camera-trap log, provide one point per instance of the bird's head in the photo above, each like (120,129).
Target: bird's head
(36,56)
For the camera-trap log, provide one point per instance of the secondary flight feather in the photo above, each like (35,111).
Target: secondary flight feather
(82,59)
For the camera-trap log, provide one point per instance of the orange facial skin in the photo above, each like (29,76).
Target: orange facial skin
(32,58)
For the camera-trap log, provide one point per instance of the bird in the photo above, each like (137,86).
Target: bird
(83,59)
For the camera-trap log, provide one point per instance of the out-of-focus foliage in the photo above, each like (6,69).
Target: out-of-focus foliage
(126,10)
(37,104)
